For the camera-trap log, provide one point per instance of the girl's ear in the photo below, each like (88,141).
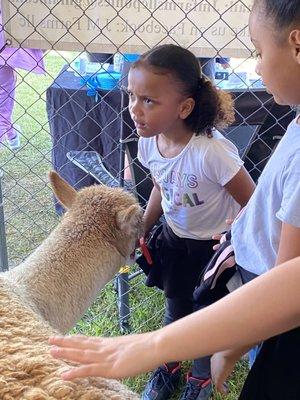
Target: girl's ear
(294,40)
(186,107)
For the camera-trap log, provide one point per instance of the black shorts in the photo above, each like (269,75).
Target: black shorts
(177,262)
(275,374)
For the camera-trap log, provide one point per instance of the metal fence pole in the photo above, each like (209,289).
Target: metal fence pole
(3,247)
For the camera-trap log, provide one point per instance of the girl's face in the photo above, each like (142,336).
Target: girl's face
(156,104)
(278,60)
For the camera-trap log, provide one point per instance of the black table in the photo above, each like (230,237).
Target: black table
(79,122)
(256,106)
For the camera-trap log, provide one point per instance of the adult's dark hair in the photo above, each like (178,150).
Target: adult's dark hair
(284,13)
(213,108)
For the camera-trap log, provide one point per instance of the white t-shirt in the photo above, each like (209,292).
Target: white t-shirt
(276,199)
(194,201)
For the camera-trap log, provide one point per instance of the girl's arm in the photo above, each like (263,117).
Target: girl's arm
(241,187)
(289,244)
(248,315)
(153,210)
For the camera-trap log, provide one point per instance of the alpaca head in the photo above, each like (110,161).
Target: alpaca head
(110,214)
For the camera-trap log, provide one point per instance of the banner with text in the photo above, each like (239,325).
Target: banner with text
(205,27)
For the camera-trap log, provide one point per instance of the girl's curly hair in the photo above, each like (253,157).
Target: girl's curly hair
(213,107)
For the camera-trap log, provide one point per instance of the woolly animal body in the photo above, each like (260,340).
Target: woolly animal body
(63,276)
(28,372)
(51,290)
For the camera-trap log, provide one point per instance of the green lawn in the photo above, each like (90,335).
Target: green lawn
(30,215)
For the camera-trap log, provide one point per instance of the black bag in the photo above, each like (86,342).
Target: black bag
(213,281)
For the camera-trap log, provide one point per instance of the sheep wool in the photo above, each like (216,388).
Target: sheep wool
(53,287)
(27,370)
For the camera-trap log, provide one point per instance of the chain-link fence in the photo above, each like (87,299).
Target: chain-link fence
(54,109)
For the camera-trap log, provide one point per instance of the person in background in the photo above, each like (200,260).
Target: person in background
(10,59)
(199,181)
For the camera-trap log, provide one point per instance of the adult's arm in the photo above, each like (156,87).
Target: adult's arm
(250,314)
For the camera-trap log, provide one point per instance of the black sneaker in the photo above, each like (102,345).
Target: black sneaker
(162,383)
(196,389)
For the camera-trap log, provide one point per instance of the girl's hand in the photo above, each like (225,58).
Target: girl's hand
(221,368)
(222,365)
(119,357)
(218,236)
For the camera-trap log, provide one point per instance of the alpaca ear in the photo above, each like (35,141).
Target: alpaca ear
(126,219)
(64,192)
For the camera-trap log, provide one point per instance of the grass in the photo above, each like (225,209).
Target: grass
(30,216)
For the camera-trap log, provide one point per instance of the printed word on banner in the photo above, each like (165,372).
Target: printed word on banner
(130,25)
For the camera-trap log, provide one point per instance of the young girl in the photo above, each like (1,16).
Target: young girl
(266,233)
(199,181)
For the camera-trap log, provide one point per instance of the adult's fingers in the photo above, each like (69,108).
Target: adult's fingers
(79,342)
(81,356)
(83,372)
